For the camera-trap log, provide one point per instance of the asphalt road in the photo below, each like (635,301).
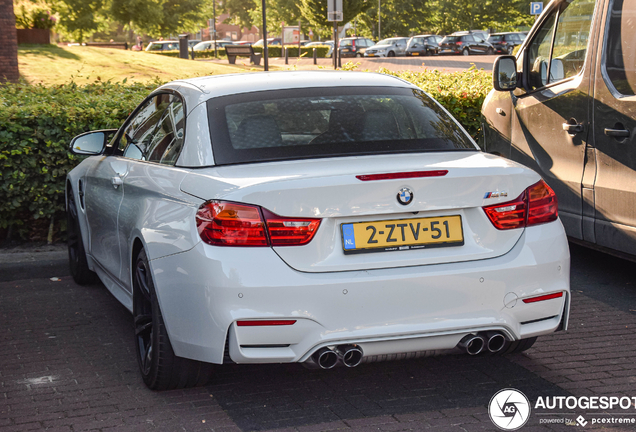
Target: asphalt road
(67,364)
(445,63)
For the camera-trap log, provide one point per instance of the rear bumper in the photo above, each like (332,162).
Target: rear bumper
(204,291)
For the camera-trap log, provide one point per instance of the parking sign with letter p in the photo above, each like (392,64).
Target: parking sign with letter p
(536,8)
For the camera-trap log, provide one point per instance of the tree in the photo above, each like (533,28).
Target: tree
(80,18)
(240,11)
(399,18)
(315,12)
(159,17)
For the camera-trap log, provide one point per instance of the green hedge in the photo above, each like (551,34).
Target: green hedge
(272,51)
(461,93)
(37,124)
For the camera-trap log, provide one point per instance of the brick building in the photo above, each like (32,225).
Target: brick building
(230,32)
(8,43)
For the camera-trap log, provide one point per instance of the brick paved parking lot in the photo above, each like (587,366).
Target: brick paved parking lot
(67,364)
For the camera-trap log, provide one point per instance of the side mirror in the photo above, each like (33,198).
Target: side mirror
(556,71)
(504,74)
(90,143)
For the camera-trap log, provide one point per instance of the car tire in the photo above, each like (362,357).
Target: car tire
(160,368)
(426,53)
(490,51)
(358,55)
(518,346)
(510,50)
(466,52)
(78,263)
(391,54)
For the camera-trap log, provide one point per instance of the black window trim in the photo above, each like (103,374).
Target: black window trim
(530,38)
(608,82)
(113,146)
(211,108)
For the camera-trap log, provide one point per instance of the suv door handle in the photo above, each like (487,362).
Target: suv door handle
(617,133)
(573,128)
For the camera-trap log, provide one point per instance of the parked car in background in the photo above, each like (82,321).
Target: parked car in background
(324,218)
(193,42)
(270,41)
(209,45)
(328,43)
(389,47)
(506,42)
(566,107)
(481,34)
(354,46)
(423,45)
(170,45)
(466,44)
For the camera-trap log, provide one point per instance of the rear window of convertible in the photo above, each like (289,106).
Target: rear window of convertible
(323,122)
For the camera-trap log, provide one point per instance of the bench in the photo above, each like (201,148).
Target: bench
(234,51)
(115,45)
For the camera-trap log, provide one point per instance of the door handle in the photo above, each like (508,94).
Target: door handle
(117,181)
(617,133)
(573,128)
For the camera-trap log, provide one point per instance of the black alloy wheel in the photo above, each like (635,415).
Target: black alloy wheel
(490,51)
(391,54)
(510,49)
(160,368)
(466,52)
(78,263)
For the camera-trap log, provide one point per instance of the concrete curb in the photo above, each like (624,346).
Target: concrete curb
(33,261)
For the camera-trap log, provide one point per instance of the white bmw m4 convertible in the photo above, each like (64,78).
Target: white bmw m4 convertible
(324,218)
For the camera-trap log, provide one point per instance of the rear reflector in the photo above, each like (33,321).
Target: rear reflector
(536,205)
(402,175)
(223,223)
(256,323)
(543,297)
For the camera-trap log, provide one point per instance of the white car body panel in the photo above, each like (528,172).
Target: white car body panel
(309,188)
(388,303)
(211,288)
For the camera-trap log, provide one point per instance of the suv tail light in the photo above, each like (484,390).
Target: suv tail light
(536,205)
(459,42)
(222,223)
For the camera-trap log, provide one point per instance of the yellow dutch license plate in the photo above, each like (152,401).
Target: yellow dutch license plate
(371,55)
(415,53)
(402,234)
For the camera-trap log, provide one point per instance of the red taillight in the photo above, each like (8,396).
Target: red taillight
(536,205)
(285,231)
(258,323)
(543,205)
(543,297)
(231,224)
(223,223)
(459,42)
(402,175)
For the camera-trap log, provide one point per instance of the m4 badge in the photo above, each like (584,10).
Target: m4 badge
(495,194)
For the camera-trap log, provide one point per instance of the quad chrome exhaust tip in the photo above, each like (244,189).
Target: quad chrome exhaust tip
(325,358)
(496,341)
(472,344)
(351,355)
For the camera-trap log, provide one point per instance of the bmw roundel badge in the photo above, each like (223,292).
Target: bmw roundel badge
(405,196)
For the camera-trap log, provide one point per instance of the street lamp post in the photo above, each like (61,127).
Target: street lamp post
(265,56)
(379,19)
(214,26)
